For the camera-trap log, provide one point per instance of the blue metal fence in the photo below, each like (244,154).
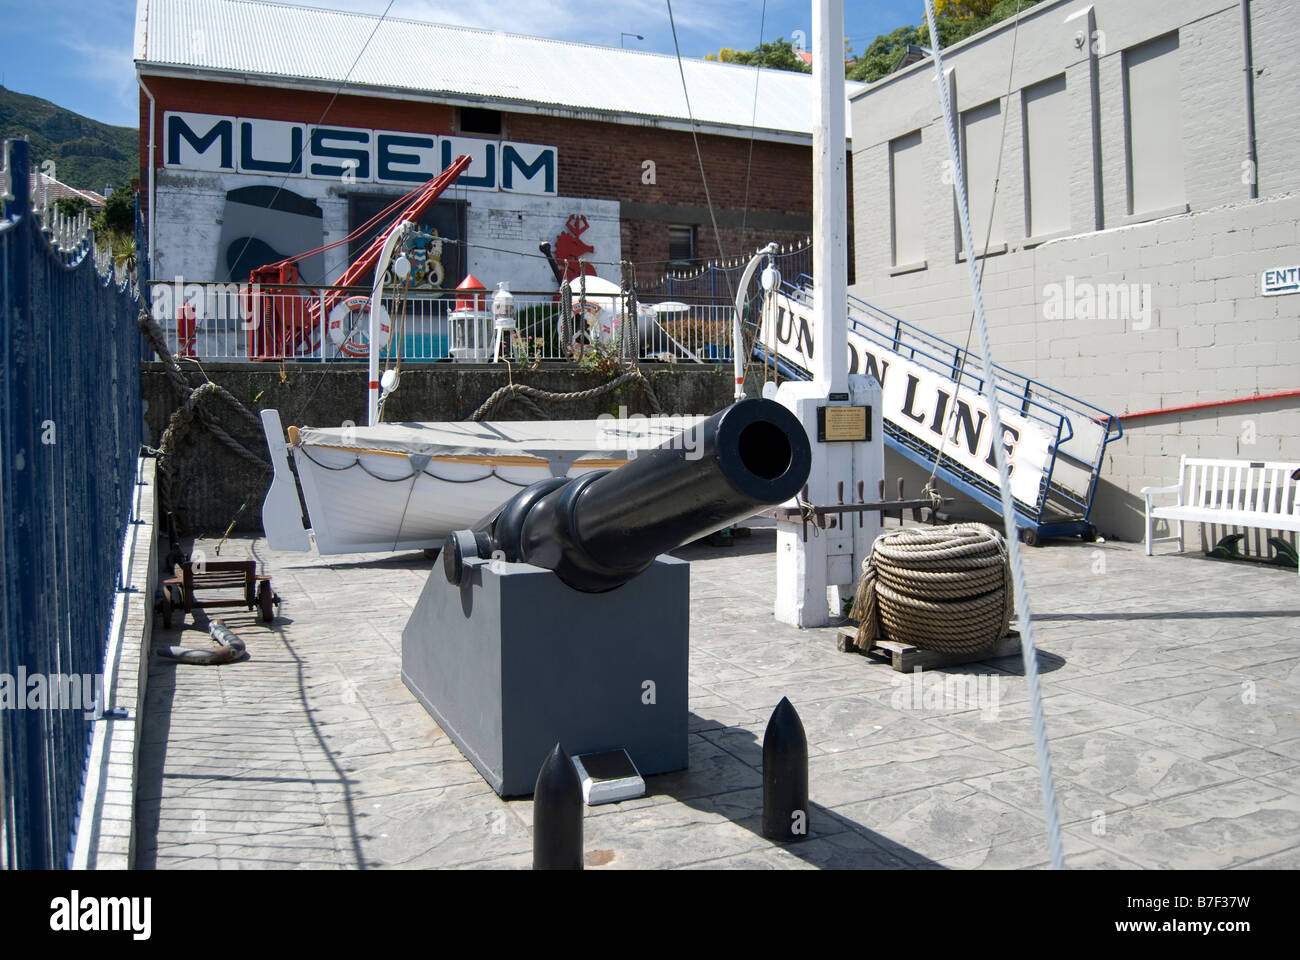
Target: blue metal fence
(70,432)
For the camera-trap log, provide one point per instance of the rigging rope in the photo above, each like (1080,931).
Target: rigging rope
(699,156)
(929,486)
(566,318)
(527,395)
(1028,652)
(753,128)
(324,114)
(629,328)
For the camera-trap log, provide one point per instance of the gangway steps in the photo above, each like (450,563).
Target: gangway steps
(1060,441)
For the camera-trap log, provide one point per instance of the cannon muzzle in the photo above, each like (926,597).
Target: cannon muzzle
(600,530)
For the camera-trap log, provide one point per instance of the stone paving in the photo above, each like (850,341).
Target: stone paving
(1171,686)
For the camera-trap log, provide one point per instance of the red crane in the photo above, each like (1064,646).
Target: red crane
(279,314)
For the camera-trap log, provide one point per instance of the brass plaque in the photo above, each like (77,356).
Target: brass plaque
(835,424)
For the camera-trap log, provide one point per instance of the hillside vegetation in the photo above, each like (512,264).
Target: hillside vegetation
(87,154)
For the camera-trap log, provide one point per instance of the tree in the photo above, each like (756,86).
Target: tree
(882,54)
(72,206)
(964,9)
(779,54)
(123,251)
(117,218)
(955,20)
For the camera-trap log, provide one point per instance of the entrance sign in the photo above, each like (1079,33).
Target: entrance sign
(1280,280)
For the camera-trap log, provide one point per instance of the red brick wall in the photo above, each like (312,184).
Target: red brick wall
(596,159)
(605,160)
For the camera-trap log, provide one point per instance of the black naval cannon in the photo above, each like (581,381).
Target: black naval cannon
(598,531)
(513,658)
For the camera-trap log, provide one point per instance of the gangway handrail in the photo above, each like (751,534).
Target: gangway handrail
(790,370)
(1024,389)
(974,383)
(1033,391)
(1033,399)
(1050,417)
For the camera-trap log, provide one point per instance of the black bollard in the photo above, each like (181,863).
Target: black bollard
(785,776)
(557,814)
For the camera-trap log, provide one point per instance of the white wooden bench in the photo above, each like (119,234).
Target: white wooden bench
(1239,493)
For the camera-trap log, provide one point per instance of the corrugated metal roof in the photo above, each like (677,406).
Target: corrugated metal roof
(258,39)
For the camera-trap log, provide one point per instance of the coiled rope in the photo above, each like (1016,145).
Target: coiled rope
(940,588)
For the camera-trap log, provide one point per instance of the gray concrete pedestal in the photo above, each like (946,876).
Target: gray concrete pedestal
(512,662)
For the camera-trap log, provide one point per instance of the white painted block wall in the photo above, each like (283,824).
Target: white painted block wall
(190,207)
(1211,335)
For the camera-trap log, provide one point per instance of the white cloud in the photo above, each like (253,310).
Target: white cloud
(587,22)
(109,69)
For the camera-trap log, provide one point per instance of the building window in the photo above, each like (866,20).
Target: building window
(474,120)
(681,246)
(907,194)
(1048,158)
(981,140)
(1153,126)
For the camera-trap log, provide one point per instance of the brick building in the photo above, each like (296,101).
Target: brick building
(256,144)
(1148,201)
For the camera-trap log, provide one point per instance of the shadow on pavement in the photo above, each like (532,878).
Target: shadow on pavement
(834,841)
(157,722)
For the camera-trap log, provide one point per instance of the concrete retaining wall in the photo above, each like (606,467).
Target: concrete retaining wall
(216,483)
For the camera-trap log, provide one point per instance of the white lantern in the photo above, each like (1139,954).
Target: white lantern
(503,307)
(503,318)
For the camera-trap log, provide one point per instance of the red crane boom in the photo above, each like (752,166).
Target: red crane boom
(279,317)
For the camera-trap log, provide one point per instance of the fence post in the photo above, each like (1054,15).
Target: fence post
(8,854)
(31,814)
(143,268)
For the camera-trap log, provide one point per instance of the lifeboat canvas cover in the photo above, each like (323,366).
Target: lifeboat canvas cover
(562,440)
(406,485)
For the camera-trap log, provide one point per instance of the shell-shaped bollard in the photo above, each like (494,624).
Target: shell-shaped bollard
(785,775)
(557,814)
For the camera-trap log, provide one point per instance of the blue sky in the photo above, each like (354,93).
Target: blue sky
(77,53)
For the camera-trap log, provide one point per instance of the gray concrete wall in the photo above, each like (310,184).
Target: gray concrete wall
(1209,334)
(215,483)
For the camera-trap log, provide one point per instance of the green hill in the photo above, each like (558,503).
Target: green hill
(87,154)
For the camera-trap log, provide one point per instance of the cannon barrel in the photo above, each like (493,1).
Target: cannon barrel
(600,530)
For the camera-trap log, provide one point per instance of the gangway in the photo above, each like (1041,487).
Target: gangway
(1056,442)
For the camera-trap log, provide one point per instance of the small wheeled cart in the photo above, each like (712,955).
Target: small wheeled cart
(180,592)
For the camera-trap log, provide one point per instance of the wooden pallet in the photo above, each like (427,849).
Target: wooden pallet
(904,657)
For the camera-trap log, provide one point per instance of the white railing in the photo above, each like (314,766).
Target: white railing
(230,321)
(66,232)
(104,263)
